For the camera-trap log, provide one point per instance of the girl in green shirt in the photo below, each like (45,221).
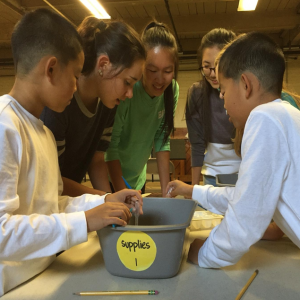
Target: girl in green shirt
(148,117)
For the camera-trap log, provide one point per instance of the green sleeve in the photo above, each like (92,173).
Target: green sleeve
(159,136)
(287,97)
(112,152)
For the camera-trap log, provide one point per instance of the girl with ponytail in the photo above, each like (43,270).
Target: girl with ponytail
(148,118)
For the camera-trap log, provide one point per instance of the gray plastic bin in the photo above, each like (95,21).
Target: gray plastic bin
(154,248)
(226,179)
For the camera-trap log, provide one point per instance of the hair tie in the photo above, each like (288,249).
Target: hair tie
(154,24)
(101,26)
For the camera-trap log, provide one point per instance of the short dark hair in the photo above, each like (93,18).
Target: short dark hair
(40,33)
(117,40)
(257,53)
(158,34)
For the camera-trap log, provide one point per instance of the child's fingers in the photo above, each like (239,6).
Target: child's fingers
(170,185)
(116,221)
(119,210)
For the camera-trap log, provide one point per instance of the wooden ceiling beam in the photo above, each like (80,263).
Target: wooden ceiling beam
(17,9)
(192,44)
(157,1)
(289,37)
(240,22)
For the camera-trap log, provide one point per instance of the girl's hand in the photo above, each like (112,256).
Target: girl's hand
(129,197)
(178,187)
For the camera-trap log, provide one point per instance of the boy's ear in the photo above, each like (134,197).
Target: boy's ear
(50,67)
(246,84)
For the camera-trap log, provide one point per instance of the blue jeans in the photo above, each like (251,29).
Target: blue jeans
(209,180)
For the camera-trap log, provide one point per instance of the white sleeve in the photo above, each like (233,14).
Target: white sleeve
(82,203)
(214,199)
(24,237)
(265,164)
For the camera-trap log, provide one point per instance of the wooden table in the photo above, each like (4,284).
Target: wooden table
(81,268)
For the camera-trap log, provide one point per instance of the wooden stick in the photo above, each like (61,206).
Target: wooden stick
(243,290)
(114,293)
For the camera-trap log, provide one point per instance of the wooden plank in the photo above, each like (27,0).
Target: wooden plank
(6,31)
(39,3)
(183,9)
(8,15)
(292,4)
(209,7)
(262,5)
(241,21)
(273,5)
(151,1)
(161,9)
(131,11)
(140,10)
(232,6)
(200,8)
(192,8)
(151,10)
(174,9)
(282,5)
(71,15)
(122,11)
(221,7)
(112,12)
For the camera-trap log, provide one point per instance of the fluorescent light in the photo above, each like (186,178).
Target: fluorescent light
(96,9)
(247,5)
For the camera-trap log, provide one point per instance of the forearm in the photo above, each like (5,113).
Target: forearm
(74,189)
(115,173)
(98,173)
(196,175)
(273,232)
(163,158)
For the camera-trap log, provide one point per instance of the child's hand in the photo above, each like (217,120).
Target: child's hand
(106,214)
(273,232)
(178,187)
(128,197)
(194,250)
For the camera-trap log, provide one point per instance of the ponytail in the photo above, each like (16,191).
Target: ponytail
(158,34)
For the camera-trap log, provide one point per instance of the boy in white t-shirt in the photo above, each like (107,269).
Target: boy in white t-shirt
(250,72)
(36,222)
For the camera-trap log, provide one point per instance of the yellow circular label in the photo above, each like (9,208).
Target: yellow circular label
(136,250)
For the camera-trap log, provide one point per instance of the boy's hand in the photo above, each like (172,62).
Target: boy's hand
(194,250)
(106,214)
(128,197)
(178,187)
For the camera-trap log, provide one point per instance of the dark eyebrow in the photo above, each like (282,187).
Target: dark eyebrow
(208,62)
(133,78)
(151,65)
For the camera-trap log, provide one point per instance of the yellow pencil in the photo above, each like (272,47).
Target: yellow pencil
(243,290)
(115,293)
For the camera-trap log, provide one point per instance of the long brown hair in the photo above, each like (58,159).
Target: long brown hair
(217,37)
(117,40)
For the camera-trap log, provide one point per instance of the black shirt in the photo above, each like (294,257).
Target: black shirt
(79,134)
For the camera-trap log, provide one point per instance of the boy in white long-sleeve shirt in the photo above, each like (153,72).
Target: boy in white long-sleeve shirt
(250,72)
(36,222)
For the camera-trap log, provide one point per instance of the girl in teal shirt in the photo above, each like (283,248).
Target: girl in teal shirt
(148,117)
